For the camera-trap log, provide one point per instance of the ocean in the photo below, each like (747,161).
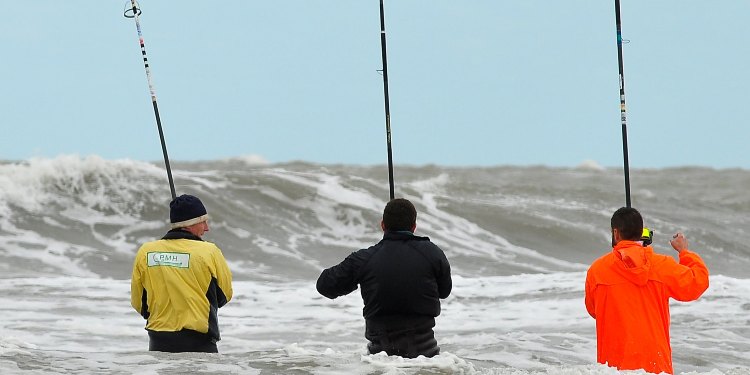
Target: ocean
(519,240)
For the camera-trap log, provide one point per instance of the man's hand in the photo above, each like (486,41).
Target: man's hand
(679,242)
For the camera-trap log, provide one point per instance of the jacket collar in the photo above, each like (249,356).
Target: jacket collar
(180,234)
(402,236)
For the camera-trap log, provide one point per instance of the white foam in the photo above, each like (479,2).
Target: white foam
(51,255)
(468,238)
(591,165)
(251,159)
(337,207)
(523,324)
(10,345)
(30,184)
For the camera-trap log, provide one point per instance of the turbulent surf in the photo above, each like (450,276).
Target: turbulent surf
(519,240)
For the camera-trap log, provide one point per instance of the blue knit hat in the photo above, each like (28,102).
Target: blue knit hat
(186,210)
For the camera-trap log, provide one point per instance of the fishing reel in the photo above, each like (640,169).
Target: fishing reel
(647,237)
(132,9)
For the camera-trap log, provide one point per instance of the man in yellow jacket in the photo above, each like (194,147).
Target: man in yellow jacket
(628,292)
(180,281)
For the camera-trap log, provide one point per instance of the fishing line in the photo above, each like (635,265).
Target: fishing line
(133,12)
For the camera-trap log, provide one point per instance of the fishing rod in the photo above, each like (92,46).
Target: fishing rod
(133,12)
(387,104)
(626,165)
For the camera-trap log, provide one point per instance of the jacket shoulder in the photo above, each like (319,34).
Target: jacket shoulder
(150,246)
(425,243)
(599,268)
(361,257)
(601,261)
(662,263)
(211,246)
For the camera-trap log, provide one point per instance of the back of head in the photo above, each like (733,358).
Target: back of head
(628,222)
(186,210)
(399,215)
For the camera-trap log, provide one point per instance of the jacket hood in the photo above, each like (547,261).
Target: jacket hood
(633,261)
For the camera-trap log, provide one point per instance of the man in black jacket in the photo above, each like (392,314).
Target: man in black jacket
(402,279)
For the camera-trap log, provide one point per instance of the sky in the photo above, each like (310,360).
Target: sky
(471,83)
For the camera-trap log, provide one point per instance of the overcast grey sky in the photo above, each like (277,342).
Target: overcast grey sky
(475,82)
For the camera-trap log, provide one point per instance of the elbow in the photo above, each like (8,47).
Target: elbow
(694,293)
(702,288)
(591,311)
(324,289)
(221,298)
(445,286)
(700,284)
(444,292)
(590,308)
(590,305)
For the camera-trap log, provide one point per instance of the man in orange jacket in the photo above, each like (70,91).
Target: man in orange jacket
(628,291)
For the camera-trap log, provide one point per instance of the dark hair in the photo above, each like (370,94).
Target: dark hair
(399,214)
(629,222)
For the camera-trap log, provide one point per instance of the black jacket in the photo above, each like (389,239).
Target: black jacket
(402,275)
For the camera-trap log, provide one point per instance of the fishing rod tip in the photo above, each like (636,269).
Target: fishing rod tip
(132,9)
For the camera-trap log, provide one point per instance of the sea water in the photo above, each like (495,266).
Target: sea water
(519,240)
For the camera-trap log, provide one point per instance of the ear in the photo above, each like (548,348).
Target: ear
(414,228)
(191,229)
(616,235)
(382,225)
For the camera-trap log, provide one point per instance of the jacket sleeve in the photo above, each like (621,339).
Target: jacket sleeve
(341,279)
(688,280)
(444,281)
(589,293)
(223,278)
(136,286)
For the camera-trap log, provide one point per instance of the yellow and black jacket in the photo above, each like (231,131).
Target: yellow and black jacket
(179,283)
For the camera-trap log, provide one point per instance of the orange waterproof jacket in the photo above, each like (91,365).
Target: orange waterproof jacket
(628,291)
